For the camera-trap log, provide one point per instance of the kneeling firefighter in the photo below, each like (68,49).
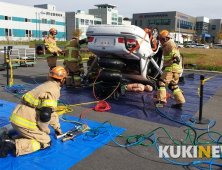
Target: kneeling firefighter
(73,62)
(173,67)
(32,117)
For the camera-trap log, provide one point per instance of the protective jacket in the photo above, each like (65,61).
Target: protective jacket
(170,51)
(73,62)
(27,114)
(50,45)
(170,74)
(72,49)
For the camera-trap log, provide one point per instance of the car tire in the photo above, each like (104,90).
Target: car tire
(154,29)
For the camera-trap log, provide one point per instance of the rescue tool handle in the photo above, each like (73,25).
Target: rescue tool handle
(60,136)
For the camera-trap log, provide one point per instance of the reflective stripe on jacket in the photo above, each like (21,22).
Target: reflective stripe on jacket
(50,44)
(45,95)
(27,114)
(170,51)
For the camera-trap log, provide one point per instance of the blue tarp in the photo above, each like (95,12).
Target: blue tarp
(137,104)
(61,155)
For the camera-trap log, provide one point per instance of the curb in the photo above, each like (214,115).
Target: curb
(202,71)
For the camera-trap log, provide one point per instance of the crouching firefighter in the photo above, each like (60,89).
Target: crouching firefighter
(173,67)
(73,62)
(31,118)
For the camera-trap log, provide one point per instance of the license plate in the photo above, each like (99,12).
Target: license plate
(104,42)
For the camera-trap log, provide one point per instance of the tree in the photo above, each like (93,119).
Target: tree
(202,41)
(219,35)
(126,19)
(193,35)
(199,38)
(77,33)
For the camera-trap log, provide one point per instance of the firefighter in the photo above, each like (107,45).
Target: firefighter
(52,51)
(172,68)
(73,61)
(32,117)
(138,87)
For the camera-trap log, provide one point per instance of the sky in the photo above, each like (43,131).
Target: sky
(208,8)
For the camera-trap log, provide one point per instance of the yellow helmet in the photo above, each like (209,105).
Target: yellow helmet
(53,31)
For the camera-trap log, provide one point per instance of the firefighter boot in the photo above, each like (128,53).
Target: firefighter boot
(177,106)
(158,104)
(6,145)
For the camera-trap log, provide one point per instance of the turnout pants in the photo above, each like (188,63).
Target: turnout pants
(169,77)
(52,60)
(72,67)
(30,140)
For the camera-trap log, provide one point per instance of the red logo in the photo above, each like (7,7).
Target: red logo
(141,16)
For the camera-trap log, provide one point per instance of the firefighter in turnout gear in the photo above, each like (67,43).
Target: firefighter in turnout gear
(32,117)
(51,49)
(172,68)
(73,61)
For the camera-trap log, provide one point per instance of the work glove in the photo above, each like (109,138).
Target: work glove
(47,130)
(58,131)
(54,54)
(175,76)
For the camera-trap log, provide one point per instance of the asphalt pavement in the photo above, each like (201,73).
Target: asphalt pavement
(111,156)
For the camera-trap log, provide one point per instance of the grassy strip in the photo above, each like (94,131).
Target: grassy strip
(205,59)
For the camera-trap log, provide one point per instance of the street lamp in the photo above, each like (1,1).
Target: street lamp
(179,29)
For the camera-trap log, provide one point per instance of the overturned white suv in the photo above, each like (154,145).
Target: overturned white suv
(129,50)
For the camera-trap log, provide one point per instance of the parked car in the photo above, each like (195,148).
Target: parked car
(180,45)
(217,46)
(190,45)
(202,46)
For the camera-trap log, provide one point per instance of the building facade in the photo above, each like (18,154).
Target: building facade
(18,22)
(103,14)
(214,26)
(79,20)
(181,26)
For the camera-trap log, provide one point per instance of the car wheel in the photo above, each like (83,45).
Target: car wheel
(151,70)
(154,29)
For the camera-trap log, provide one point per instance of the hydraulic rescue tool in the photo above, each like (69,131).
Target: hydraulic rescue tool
(71,134)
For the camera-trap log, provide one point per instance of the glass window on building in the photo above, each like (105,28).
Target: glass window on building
(8,18)
(120,21)
(165,22)
(82,21)
(44,21)
(141,23)
(97,22)
(86,22)
(44,33)
(52,21)
(114,17)
(152,21)
(91,22)
(158,22)
(28,33)
(8,32)
(213,27)
(136,22)
(77,23)
(27,20)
